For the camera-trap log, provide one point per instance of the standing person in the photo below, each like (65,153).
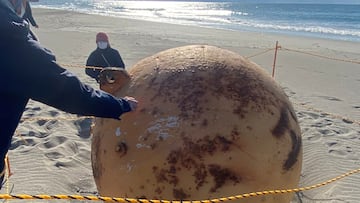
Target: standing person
(103,56)
(29,71)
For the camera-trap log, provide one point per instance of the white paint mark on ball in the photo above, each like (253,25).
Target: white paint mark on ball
(118,132)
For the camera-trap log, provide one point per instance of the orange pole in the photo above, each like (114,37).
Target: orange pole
(276,49)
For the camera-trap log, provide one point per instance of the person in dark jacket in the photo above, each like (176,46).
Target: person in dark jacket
(103,56)
(29,71)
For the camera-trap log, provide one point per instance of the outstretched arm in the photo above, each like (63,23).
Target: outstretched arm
(42,79)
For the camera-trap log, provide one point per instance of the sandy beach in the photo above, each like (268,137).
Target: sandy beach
(52,156)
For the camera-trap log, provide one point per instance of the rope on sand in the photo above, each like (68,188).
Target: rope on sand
(320,56)
(258,54)
(304,52)
(217,200)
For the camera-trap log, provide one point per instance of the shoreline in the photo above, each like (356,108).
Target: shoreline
(303,31)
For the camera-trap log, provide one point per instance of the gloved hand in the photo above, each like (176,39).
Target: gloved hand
(132,102)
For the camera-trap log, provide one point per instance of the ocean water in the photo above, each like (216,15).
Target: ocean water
(339,21)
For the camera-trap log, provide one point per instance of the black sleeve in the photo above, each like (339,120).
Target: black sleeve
(12,27)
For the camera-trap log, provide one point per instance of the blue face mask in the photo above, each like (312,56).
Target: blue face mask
(102,45)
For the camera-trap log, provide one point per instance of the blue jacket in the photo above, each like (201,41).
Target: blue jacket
(108,57)
(29,71)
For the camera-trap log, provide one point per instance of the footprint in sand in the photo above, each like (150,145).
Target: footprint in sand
(53,113)
(343,152)
(321,124)
(313,137)
(37,134)
(310,135)
(337,152)
(54,141)
(32,108)
(342,131)
(50,123)
(65,162)
(310,114)
(54,155)
(22,142)
(330,98)
(330,144)
(41,122)
(335,149)
(326,132)
(84,127)
(340,145)
(30,112)
(27,139)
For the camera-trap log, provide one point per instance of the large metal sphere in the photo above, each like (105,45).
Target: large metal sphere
(210,124)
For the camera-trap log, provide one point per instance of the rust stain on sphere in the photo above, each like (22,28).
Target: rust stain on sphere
(210,124)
